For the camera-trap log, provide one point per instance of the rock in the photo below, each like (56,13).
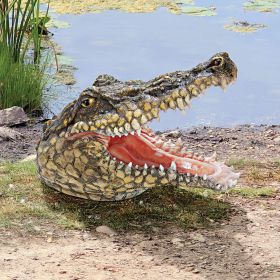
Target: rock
(197,237)
(277,139)
(106,230)
(29,158)
(7,134)
(13,116)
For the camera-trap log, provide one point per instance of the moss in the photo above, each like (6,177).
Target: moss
(253,192)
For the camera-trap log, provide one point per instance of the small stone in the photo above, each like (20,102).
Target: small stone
(50,239)
(277,140)
(7,134)
(198,237)
(13,116)
(29,158)
(176,240)
(106,230)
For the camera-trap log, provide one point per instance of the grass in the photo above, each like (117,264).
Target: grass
(20,84)
(253,192)
(240,163)
(257,172)
(25,204)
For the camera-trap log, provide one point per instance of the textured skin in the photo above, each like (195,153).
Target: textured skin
(73,155)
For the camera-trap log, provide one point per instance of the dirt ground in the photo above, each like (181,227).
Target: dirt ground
(246,246)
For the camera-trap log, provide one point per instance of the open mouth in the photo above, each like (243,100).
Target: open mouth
(134,147)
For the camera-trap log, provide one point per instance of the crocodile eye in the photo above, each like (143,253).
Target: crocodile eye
(89,102)
(217,61)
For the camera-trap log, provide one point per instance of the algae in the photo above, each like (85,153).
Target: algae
(199,11)
(262,5)
(244,27)
(130,6)
(54,23)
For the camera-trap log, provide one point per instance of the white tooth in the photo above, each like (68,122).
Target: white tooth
(230,183)
(187,99)
(109,131)
(132,132)
(187,179)
(181,178)
(187,165)
(127,127)
(165,145)
(180,103)
(128,168)
(135,124)
(224,83)
(188,174)
(172,176)
(161,168)
(126,134)
(204,177)
(159,142)
(73,130)
(145,166)
(138,132)
(195,176)
(116,131)
(136,166)
(114,158)
(218,187)
(121,129)
(179,141)
(173,166)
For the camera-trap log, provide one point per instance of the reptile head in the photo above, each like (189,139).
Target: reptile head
(100,148)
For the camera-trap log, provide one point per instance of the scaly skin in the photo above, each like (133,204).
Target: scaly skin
(98,147)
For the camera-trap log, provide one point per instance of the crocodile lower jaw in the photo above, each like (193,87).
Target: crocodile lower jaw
(153,155)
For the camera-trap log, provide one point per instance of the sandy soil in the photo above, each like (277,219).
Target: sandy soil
(247,246)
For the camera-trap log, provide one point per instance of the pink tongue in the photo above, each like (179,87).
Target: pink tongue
(140,151)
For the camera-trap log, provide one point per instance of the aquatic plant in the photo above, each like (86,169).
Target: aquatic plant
(20,84)
(22,28)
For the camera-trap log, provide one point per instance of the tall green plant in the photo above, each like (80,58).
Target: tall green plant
(20,84)
(21,27)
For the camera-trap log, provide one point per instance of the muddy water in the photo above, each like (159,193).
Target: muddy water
(143,45)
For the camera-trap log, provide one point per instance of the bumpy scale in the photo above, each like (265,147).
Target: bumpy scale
(99,148)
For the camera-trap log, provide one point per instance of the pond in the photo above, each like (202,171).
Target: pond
(144,45)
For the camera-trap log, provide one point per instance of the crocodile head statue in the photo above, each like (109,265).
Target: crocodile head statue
(99,146)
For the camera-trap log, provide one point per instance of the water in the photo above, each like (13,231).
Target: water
(142,46)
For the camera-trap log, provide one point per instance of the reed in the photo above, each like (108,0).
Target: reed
(20,84)
(22,28)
